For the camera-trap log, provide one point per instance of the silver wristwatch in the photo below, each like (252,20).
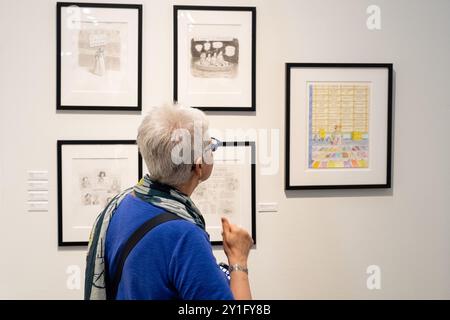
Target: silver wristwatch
(238,267)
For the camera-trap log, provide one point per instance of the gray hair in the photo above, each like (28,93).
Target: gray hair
(170,139)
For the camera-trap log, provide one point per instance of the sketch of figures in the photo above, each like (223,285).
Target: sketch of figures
(87,199)
(115,186)
(214,58)
(101,190)
(99,49)
(85,182)
(227,207)
(99,66)
(220,194)
(101,177)
(95,200)
(232,183)
(338,125)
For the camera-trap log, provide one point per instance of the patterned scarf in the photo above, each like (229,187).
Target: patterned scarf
(157,194)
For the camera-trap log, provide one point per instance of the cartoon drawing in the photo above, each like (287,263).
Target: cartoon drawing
(104,187)
(214,58)
(99,49)
(338,125)
(220,194)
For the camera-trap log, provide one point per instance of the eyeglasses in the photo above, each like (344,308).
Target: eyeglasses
(215,143)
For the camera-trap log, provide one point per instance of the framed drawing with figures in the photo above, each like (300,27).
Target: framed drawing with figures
(338,125)
(214,57)
(99,56)
(90,174)
(230,190)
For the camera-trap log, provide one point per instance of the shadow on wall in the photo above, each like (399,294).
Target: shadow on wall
(341,193)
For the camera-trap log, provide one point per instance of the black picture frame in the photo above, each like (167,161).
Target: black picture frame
(252,10)
(60,143)
(388,160)
(96,107)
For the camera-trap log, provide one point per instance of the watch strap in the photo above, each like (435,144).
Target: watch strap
(238,267)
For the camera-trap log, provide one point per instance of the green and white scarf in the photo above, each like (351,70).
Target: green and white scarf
(157,194)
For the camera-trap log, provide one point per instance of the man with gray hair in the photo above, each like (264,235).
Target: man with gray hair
(150,242)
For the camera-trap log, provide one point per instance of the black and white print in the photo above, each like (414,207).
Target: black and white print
(98,187)
(214,58)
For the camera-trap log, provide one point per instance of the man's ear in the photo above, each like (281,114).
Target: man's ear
(198,166)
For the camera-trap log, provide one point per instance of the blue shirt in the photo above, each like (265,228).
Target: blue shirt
(172,261)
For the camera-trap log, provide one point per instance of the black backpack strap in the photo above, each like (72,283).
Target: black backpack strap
(113,286)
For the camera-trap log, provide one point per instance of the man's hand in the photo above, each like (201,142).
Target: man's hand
(236,243)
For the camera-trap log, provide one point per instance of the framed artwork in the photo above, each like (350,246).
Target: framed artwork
(99,56)
(338,125)
(214,57)
(230,190)
(90,173)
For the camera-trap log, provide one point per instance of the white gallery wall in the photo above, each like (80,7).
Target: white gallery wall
(319,243)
